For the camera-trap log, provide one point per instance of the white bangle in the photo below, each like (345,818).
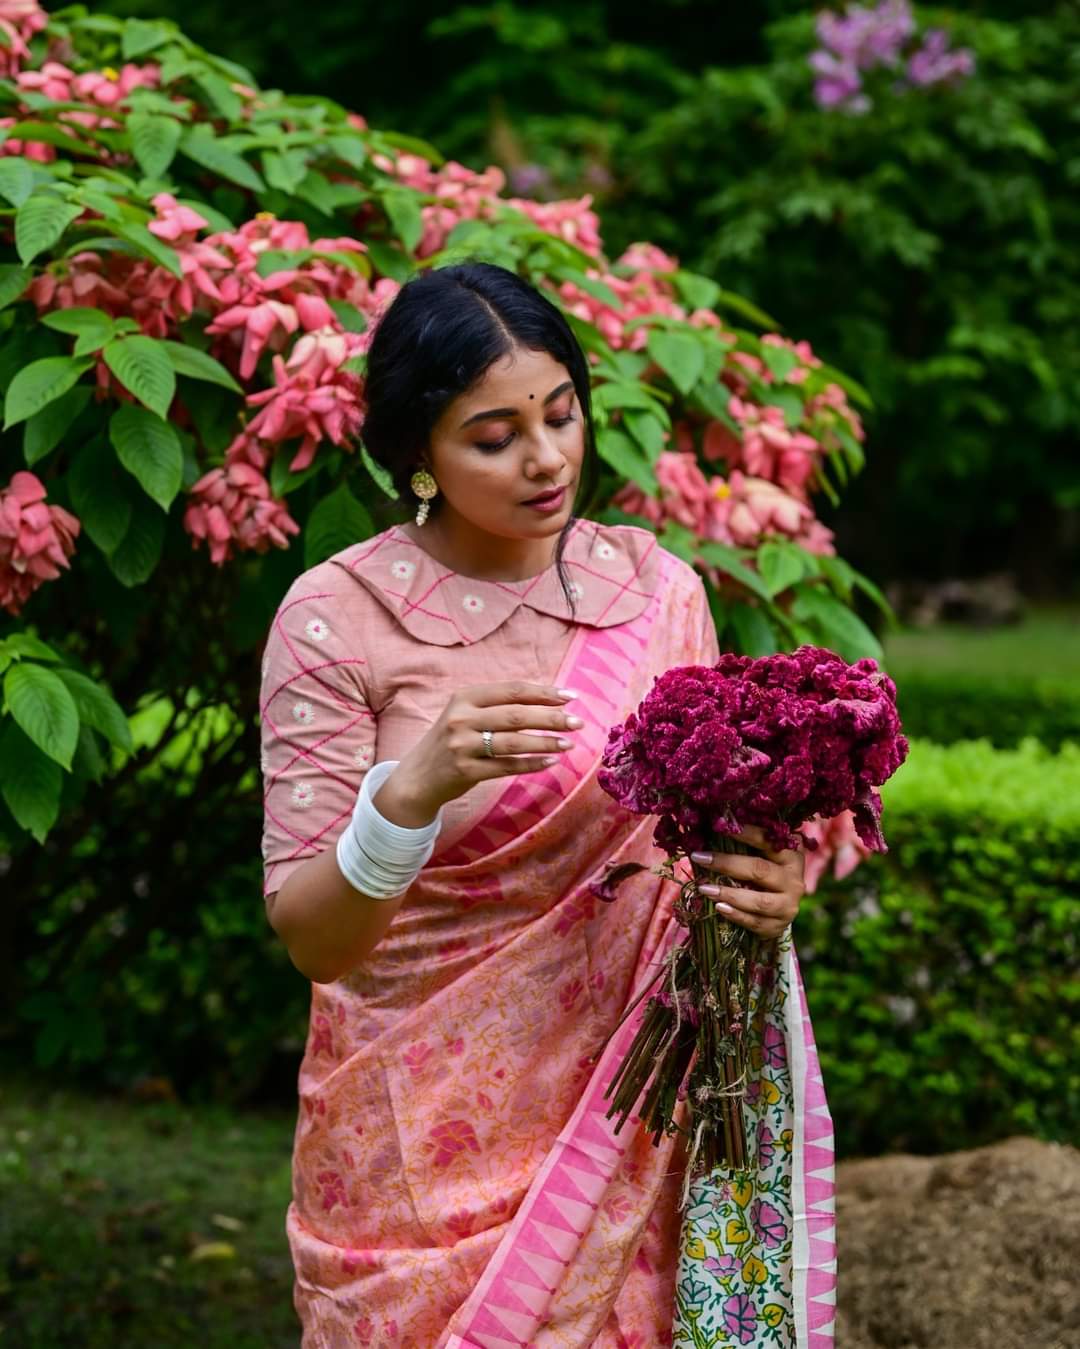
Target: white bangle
(377,857)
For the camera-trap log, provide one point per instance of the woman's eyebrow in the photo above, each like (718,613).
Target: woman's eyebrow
(513,412)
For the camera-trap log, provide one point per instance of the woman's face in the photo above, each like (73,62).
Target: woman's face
(514,435)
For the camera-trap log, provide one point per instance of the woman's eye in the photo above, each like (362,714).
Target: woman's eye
(494,444)
(562,421)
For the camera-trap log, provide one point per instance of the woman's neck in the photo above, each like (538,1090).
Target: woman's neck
(471,552)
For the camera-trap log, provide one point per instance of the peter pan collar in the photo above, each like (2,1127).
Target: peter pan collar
(612,570)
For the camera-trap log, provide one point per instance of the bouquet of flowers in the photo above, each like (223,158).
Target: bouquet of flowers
(772,742)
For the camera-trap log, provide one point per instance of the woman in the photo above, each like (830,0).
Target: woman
(456,1182)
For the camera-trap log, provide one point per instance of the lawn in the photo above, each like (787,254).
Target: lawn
(1045,642)
(142,1226)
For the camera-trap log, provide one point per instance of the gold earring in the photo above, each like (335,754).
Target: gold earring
(425,487)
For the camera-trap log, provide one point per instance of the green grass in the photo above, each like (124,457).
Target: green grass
(1046,642)
(104,1205)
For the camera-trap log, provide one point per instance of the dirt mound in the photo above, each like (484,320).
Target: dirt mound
(971,1250)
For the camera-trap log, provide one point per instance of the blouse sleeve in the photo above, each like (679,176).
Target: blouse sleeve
(317,729)
(702,629)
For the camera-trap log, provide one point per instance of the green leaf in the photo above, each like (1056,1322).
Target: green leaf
(380,475)
(403,208)
(780,565)
(154,140)
(389,261)
(16,179)
(754,634)
(149,244)
(780,360)
(30,784)
(144,35)
(143,368)
(649,432)
(98,709)
(208,153)
(100,494)
(40,383)
(149,449)
(39,223)
(727,560)
(26,644)
(680,355)
(90,324)
(282,260)
(350,318)
(617,449)
(13,281)
(41,705)
(699,292)
(221,98)
(139,552)
(196,364)
(337,521)
(842,630)
(726,299)
(788,400)
(285,169)
(50,134)
(45,429)
(88,761)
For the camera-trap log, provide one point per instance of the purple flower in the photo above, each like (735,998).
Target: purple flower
(768,1225)
(773,1047)
(934,63)
(766,1142)
(725,1266)
(770,742)
(740,1317)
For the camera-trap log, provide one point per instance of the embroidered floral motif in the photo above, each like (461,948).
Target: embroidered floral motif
(317,630)
(605,551)
(303,795)
(363,756)
(472,604)
(577,590)
(402,570)
(304,713)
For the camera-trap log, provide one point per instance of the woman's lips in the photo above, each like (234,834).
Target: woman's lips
(550,501)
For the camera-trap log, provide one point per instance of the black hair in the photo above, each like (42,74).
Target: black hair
(444,329)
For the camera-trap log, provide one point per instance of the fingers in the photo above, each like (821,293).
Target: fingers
(517,691)
(766,914)
(518,717)
(757,870)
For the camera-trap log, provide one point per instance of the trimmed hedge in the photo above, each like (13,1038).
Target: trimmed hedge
(949,706)
(944,978)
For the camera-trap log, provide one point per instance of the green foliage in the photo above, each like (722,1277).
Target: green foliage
(1003,710)
(943,979)
(142,1222)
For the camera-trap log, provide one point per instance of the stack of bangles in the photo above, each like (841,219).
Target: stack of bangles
(381,859)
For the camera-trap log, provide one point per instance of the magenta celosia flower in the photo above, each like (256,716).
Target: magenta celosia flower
(771,742)
(36,540)
(231,509)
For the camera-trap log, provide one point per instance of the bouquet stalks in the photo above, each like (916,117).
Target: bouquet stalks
(693,1037)
(772,743)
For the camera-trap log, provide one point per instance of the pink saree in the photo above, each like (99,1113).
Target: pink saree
(456,1182)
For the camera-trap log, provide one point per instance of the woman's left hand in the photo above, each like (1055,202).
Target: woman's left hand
(776,878)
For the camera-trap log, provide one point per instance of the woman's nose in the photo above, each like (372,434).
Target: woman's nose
(546,457)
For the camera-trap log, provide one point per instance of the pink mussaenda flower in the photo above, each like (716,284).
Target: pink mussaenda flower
(826,411)
(36,540)
(253,327)
(35,150)
(231,508)
(573,221)
(749,509)
(19,21)
(838,845)
(648,257)
(53,80)
(769,450)
(109,87)
(685,495)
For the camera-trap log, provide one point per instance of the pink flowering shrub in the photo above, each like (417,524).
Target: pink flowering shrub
(185,383)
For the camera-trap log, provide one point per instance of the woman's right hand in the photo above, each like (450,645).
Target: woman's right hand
(450,759)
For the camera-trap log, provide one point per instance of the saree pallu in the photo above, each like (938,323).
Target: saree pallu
(456,1182)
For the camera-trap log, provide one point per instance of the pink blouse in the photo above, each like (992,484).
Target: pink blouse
(367,647)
